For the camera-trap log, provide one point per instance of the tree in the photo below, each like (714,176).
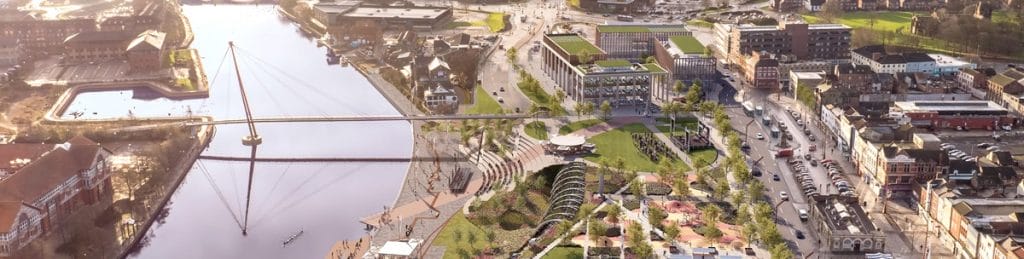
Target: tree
(606,109)
(655,216)
(831,10)
(671,230)
(743,213)
(588,108)
(578,108)
(748,231)
(756,190)
(693,96)
(651,60)
(595,230)
(614,212)
(665,169)
(585,210)
(738,197)
(563,228)
(682,186)
(712,233)
(710,214)
(511,54)
(620,164)
(679,87)
(781,251)
(636,188)
(721,189)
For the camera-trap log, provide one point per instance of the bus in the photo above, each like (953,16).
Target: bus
(748,108)
(624,18)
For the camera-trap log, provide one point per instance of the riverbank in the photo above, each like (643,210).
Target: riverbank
(202,138)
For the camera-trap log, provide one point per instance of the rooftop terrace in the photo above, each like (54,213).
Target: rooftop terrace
(641,28)
(688,45)
(574,44)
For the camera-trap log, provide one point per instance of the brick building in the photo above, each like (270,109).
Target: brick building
(146,52)
(761,70)
(888,164)
(803,41)
(687,59)
(46,187)
(585,74)
(93,46)
(616,6)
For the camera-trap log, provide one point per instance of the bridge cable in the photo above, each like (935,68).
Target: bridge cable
(294,191)
(217,73)
(340,175)
(306,85)
(263,90)
(278,180)
(220,195)
(266,90)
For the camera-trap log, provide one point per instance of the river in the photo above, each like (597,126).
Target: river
(285,74)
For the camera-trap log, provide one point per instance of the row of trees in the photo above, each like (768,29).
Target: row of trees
(760,224)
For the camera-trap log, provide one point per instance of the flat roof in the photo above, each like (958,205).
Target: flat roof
(950,106)
(688,45)
(396,12)
(944,60)
(807,75)
(827,26)
(613,63)
(751,27)
(654,68)
(612,28)
(574,44)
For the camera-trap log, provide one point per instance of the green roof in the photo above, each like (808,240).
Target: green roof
(641,28)
(574,44)
(688,44)
(654,68)
(613,63)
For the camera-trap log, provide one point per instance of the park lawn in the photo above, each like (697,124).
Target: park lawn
(700,23)
(708,156)
(484,104)
(618,143)
(665,125)
(496,21)
(889,21)
(564,252)
(573,3)
(536,94)
(537,130)
(578,125)
(1003,16)
(459,223)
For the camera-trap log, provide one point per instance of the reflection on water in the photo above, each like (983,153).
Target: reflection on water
(128,103)
(285,74)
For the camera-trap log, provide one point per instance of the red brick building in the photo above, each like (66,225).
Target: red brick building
(146,52)
(47,184)
(761,70)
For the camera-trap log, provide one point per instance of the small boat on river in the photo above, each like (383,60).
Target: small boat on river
(292,238)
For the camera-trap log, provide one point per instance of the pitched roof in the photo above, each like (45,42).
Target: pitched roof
(917,57)
(10,152)
(437,62)
(50,170)
(148,40)
(99,37)
(9,211)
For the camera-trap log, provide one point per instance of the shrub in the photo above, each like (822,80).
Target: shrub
(658,189)
(512,220)
(631,204)
(613,232)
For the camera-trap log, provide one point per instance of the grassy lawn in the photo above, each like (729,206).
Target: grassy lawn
(563,252)
(664,125)
(459,224)
(1003,16)
(699,23)
(496,21)
(618,143)
(484,104)
(574,44)
(573,3)
(578,125)
(537,95)
(537,130)
(459,24)
(689,44)
(889,21)
(706,155)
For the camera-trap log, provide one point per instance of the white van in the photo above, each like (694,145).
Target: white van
(803,215)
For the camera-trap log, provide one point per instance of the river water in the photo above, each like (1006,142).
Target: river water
(285,74)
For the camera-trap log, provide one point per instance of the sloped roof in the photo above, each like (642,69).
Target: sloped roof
(99,37)
(437,62)
(50,170)
(148,40)
(10,152)
(9,214)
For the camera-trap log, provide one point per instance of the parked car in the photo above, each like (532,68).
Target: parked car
(799,234)
(759,136)
(803,214)
(784,196)
(775,177)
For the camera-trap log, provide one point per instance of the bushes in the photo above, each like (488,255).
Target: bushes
(658,189)
(512,220)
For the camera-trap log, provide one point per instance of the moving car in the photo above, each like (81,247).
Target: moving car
(759,136)
(803,214)
(775,177)
(799,234)
(784,196)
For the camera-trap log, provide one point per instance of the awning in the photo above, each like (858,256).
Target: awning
(568,140)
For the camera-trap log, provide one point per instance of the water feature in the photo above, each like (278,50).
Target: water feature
(284,74)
